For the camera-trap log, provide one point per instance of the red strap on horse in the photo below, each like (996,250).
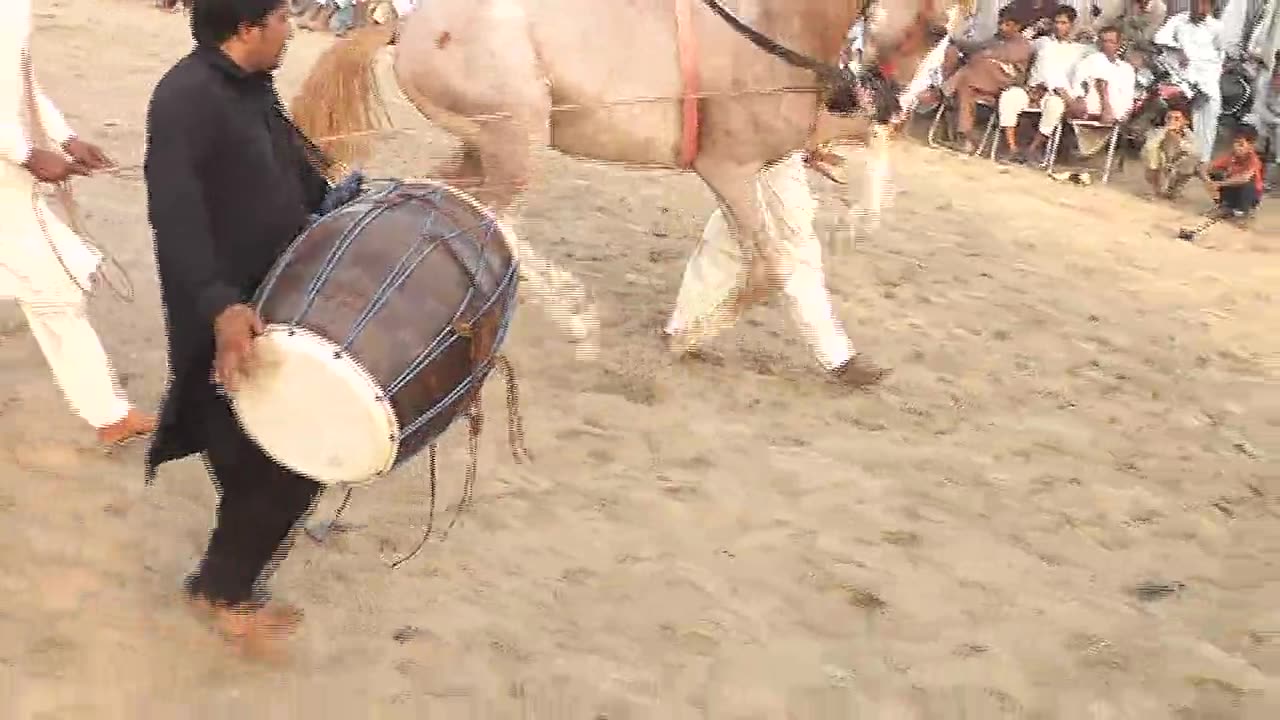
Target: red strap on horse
(687,48)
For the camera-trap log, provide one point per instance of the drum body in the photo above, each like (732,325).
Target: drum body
(382,322)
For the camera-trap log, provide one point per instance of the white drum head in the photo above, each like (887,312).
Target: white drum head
(320,416)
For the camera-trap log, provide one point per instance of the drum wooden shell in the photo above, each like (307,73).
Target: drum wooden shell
(416,283)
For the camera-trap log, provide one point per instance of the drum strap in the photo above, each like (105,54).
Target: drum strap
(475,421)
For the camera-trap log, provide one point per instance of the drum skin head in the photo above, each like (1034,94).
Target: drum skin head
(319,415)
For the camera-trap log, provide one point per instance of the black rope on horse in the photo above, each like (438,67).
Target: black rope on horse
(827,72)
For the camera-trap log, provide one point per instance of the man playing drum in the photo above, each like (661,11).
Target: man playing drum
(230,184)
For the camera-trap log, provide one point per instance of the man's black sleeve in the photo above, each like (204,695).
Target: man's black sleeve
(179,134)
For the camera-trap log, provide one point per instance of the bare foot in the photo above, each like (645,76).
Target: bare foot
(134,425)
(255,630)
(859,372)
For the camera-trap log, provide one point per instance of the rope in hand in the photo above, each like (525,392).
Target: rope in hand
(62,193)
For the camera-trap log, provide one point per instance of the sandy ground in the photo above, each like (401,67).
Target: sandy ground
(1082,405)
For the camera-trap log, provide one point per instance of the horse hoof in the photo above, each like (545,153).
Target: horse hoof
(859,373)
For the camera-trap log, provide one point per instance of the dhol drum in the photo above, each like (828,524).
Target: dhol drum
(382,322)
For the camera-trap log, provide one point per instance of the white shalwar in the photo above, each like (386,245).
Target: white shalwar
(716,270)
(1203,45)
(32,261)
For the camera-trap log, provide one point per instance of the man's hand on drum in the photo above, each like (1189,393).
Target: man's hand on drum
(234,331)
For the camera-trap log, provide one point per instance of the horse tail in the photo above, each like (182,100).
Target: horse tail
(339,107)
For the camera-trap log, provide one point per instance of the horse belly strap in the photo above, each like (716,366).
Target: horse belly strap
(687,48)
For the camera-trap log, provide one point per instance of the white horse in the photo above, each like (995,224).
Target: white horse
(734,94)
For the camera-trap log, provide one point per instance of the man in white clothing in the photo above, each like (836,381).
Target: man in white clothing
(1103,84)
(1198,36)
(44,265)
(711,292)
(1047,85)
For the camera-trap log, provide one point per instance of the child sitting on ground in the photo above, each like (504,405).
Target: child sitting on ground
(1234,181)
(1169,154)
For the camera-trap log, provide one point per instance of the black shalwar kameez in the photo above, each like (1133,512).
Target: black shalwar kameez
(230,183)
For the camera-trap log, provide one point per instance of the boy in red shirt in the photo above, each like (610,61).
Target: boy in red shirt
(1234,181)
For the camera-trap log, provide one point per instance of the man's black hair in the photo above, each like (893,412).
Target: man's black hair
(1066,10)
(1006,15)
(213,22)
(1246,132)
(1113,30)
(1178,107)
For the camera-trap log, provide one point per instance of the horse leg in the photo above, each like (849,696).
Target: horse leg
(499,123)
(465,170)
(877,192)
(773,213)
(506,152)
(723,276)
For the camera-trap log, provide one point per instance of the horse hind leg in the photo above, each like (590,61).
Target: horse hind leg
(506,150)
(464,170)
(500,116)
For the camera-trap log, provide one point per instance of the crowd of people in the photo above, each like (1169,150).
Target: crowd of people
(1155,77)
(336,16)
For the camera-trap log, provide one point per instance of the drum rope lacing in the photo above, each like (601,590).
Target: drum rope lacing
(515,440)
(458,329)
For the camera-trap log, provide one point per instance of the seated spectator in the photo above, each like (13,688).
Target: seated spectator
(318,16)
(992,67)
(1137,20)
(1170,154)
(1037,16)
(1047,86)
(344,16)
(1102,84)
(1234,181)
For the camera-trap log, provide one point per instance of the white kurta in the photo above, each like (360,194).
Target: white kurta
(1264,41)
(29,254)
(30,269)
(1202,43)
(1120,78)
